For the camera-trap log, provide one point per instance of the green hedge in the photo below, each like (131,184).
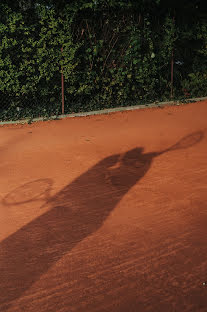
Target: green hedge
(114,53)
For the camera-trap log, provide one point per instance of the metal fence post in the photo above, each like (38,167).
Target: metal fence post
(172,65)
(62,86)
(172,70)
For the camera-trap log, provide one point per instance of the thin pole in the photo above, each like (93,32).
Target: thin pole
(62,84)
(172,67)
(172,71)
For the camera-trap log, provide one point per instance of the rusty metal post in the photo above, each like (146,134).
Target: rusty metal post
(172,67)
(172,72)
(62,85)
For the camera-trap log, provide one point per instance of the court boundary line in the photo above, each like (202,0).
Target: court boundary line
(105,111)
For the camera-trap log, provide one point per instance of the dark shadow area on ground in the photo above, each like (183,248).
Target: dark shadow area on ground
(77,211)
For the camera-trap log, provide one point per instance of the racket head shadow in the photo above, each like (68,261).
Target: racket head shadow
(36,190)
(186,142)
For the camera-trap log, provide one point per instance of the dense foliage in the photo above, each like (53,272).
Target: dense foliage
(114,53)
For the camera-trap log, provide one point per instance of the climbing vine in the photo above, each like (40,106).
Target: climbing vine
(112,53)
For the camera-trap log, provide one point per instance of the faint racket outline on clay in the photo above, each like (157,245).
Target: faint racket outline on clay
(12,197)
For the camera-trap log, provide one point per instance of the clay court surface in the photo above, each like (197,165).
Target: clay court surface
(97,215)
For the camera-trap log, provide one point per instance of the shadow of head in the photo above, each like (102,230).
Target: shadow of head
(122,159)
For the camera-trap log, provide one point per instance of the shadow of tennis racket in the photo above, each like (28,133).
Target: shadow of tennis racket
(38,190)
(186,142)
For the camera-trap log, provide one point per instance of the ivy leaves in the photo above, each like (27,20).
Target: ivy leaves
(109,57)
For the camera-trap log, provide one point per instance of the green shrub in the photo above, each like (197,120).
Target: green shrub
(112,53)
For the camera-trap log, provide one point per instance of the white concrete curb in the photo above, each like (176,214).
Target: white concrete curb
(104,111)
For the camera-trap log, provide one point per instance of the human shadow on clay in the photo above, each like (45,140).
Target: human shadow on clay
(77,211)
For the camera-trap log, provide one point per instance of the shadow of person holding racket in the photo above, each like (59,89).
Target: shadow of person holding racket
(77,211)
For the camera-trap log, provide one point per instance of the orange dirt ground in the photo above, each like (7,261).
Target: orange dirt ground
(96,215)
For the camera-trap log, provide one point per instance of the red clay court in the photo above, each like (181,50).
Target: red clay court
(105,213)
